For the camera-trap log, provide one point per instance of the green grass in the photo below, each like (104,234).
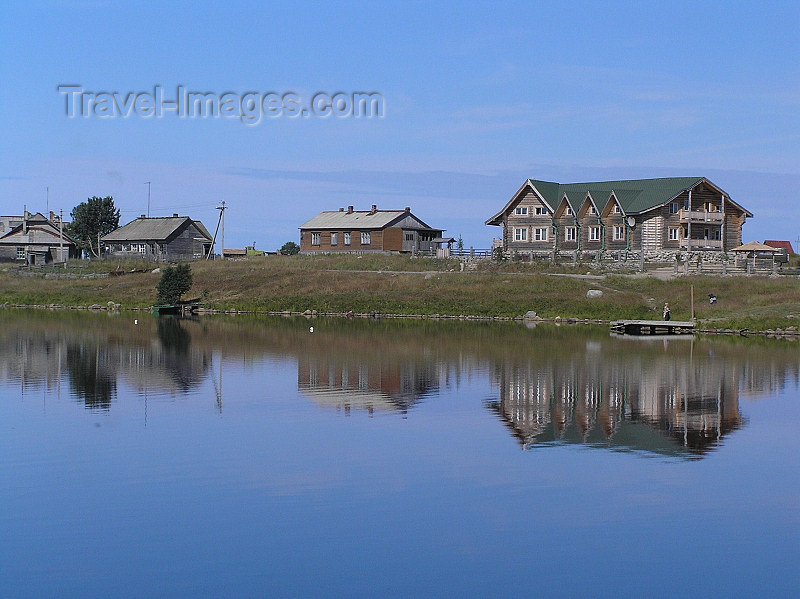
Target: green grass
(420,286)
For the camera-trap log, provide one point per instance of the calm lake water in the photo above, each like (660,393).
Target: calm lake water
(250,457)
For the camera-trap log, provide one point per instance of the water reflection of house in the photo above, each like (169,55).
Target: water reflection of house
(91,365)
(356,384)
(669,407)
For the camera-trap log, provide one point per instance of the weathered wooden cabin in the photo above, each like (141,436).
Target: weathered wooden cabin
(675,214)
(364,231)
(35,239)
(160,238)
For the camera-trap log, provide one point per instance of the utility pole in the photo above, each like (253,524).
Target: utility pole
(222,221)
(61,237)
(148,198)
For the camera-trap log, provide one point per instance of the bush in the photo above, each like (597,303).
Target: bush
(290,248)
(175,281)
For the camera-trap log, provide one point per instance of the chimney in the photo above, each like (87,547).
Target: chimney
(374,209)
(143,216)
(408,209)
(341,209)
(349,210)
(174,215)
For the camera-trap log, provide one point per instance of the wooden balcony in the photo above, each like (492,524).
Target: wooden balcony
(701,244)
(701,216)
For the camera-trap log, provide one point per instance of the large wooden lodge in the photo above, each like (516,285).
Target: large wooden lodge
(685,214)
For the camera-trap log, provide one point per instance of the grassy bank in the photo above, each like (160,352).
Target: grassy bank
(402,285)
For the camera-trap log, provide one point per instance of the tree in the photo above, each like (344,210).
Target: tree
(290,248)
(93,218)
(175,281)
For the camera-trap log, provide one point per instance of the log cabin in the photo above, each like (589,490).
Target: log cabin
(675,214)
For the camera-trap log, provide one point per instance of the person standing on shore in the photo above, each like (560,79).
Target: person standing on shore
(667,315)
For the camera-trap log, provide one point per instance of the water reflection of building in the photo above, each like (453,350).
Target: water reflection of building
(92,361)
(665,406)
(347,383)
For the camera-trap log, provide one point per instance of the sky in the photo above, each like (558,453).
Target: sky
(471,99)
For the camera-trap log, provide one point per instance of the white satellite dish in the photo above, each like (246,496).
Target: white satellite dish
(631,222)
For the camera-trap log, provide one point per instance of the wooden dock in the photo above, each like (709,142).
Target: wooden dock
(652,327)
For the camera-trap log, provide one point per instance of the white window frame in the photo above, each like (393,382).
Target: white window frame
(674,233)
(540,211)
(673,208)
(594,233)
(20,253)
(570,233)
(540,234)
(619,233)
(365,238)
(316,238)
(520,233)
(521,210)
(592,210)
(347,238)
(334,238)
(616,209)
(568,211)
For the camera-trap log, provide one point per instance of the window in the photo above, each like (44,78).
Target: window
(674,234)
(520,234)
(540,210)
(619,233)
(365,238)
(570,234)
(673,208)
(710,207)
(616,210)
(594,233)
(409,237)
(568,211)
(716,234)
(521,210)
(592,210)
(20,253)
(315,238)
(540,234)
(347,238)
(686,204)
(334,239)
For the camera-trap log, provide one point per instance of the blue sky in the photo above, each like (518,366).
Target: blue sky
(477,97)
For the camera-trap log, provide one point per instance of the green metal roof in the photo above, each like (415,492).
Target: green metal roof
(634,196)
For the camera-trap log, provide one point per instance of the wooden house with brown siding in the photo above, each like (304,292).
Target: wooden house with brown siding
(675,214)
(167,239)
(366,231)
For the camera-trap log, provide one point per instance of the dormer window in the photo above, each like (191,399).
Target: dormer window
(521,210)
(568,211)
(593,210)
(616,210)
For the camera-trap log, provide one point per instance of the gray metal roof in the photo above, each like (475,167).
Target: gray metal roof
(365,219)
(152,229)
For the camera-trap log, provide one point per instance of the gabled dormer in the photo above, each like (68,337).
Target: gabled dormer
(588,208)
(613,208)
(565,209)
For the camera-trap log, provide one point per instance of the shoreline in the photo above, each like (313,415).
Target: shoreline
(790,334)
